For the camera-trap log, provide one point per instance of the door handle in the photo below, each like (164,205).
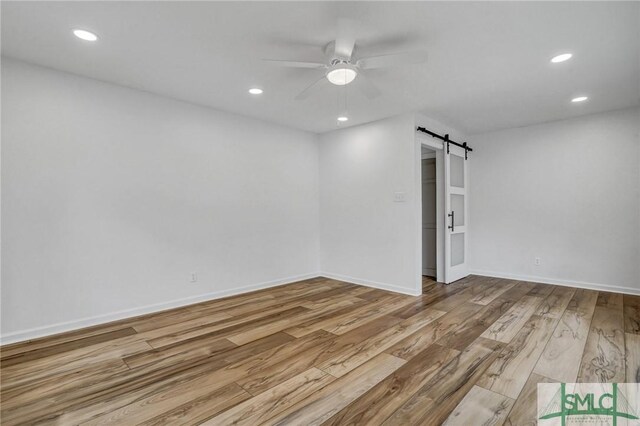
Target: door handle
(452,216)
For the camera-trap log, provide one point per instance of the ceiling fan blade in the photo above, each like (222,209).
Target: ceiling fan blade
(345,38)
(309,89)
(392,60)
(367,87)
(296,64)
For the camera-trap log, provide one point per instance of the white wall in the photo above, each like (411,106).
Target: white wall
(111,197)
(366,237)
(567,192)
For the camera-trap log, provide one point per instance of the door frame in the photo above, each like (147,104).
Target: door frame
(438,147)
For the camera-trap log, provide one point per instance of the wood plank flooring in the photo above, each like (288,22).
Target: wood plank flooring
(325,352)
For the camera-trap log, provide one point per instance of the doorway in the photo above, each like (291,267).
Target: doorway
(451,210)
(429,213)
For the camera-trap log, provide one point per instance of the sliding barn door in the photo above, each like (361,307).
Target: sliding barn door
(455,187)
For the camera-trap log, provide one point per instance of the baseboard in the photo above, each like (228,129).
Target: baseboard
(554,281)
(33,333)
(373,284)
(430,272)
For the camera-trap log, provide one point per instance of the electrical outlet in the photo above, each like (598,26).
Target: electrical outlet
(193,278)
(399,197)
(537,261)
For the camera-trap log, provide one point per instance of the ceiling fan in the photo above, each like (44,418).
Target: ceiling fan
(343,67)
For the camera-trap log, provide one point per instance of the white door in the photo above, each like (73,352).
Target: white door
(455,190)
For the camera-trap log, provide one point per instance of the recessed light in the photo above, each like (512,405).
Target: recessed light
(579,99)
(85,35)
(343,118)
(561,58)
(255,91)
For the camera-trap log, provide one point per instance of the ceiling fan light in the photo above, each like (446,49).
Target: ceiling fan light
(341,76)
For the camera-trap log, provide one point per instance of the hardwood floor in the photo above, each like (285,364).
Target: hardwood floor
(327,352)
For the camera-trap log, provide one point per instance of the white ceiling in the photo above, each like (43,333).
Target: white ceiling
(488,64)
